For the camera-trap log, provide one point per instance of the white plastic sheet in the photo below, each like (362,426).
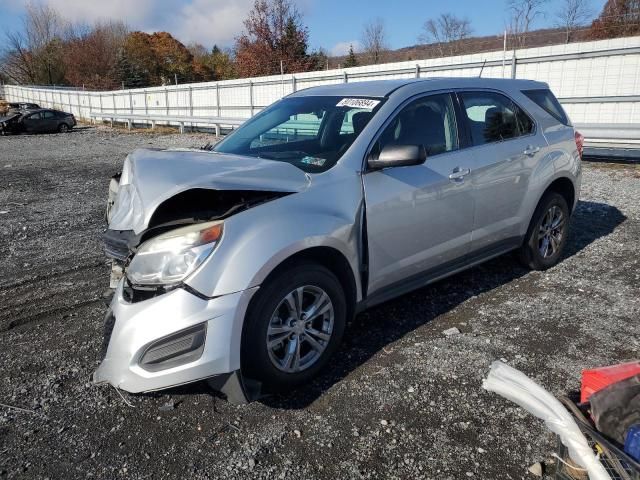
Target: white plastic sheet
(517,387)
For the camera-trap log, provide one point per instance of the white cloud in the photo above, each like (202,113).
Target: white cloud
(131,12)
(206,21)
(342,48)
(210,21)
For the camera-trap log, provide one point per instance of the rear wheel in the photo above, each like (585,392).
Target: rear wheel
(63,128)
(293,326)
(547,233)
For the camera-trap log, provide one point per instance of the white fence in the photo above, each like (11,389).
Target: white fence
(597,82)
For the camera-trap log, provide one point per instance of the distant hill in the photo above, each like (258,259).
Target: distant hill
(535,38)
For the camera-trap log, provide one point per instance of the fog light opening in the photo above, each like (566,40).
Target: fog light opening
(177,349)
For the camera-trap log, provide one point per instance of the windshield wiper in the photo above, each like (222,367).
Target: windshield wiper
(281,155)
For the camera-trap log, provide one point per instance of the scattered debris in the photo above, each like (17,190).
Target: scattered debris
(127,402)
(451,331)
(167,407)
(537,469)
(16,408)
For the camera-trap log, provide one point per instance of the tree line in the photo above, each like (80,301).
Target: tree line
(49,50)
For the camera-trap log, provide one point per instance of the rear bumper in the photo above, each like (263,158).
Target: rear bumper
(137,327)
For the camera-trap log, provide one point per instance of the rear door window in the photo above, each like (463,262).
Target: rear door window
(549,103)
(493,117)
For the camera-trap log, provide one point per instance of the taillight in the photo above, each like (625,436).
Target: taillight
(579,143)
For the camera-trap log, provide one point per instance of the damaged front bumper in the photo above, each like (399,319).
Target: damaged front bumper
(175,338)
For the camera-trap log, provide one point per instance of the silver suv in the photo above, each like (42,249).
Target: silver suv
(241,263)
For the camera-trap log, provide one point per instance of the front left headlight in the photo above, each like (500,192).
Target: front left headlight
(172,256)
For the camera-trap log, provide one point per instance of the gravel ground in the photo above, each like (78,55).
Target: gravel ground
(401,399)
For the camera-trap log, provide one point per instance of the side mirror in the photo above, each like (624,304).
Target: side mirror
(398,156)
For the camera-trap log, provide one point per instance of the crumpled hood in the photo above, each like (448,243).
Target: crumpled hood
(9,116)
(157,175)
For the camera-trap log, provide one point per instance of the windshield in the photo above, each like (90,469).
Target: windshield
(311,133)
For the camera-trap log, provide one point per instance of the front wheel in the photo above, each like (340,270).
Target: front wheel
(547,233)
(293,326)
(63,128)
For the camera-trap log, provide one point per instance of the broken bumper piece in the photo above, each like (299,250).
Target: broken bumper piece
(173,339)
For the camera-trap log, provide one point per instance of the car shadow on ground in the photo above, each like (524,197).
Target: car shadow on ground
(372,330)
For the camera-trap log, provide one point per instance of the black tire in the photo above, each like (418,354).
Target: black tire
(63,128)
(256,359)
(531,251)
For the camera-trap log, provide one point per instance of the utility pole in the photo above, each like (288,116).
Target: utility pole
(175,76)
(282,76)
(504,52)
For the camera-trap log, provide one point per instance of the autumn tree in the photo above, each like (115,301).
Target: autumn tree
(216,64)
(374,40)
(274,36)
(155,59)
(446,31)
(351,60)
(619,18)
(172,57)
(91,55)
(222,64)
(35,54)
(137,58)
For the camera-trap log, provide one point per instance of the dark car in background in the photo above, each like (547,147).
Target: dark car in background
(23,106)
(37,121)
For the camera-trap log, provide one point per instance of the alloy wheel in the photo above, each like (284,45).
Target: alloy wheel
(300,329)
(551,232)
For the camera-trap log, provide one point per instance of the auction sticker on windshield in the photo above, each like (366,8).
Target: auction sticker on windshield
(365,103)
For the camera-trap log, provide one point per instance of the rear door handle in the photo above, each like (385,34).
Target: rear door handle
(458,174)
(531,150)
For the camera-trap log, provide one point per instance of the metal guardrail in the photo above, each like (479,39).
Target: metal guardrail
(217,122)
(610,133)
(595,134)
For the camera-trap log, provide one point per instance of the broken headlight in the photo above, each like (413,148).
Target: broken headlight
(169,258)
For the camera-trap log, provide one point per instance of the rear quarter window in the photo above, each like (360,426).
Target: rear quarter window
(546,100)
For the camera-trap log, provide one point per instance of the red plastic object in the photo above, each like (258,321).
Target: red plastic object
(599,378)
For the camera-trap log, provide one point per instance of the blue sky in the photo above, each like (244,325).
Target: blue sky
(333,24)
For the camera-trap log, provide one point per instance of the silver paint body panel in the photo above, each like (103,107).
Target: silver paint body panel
(417,220)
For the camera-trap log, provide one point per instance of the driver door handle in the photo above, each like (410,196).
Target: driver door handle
(458,174)
(531,150)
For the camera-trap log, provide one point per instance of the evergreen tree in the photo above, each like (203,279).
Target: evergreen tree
(351,60)
(128,74)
